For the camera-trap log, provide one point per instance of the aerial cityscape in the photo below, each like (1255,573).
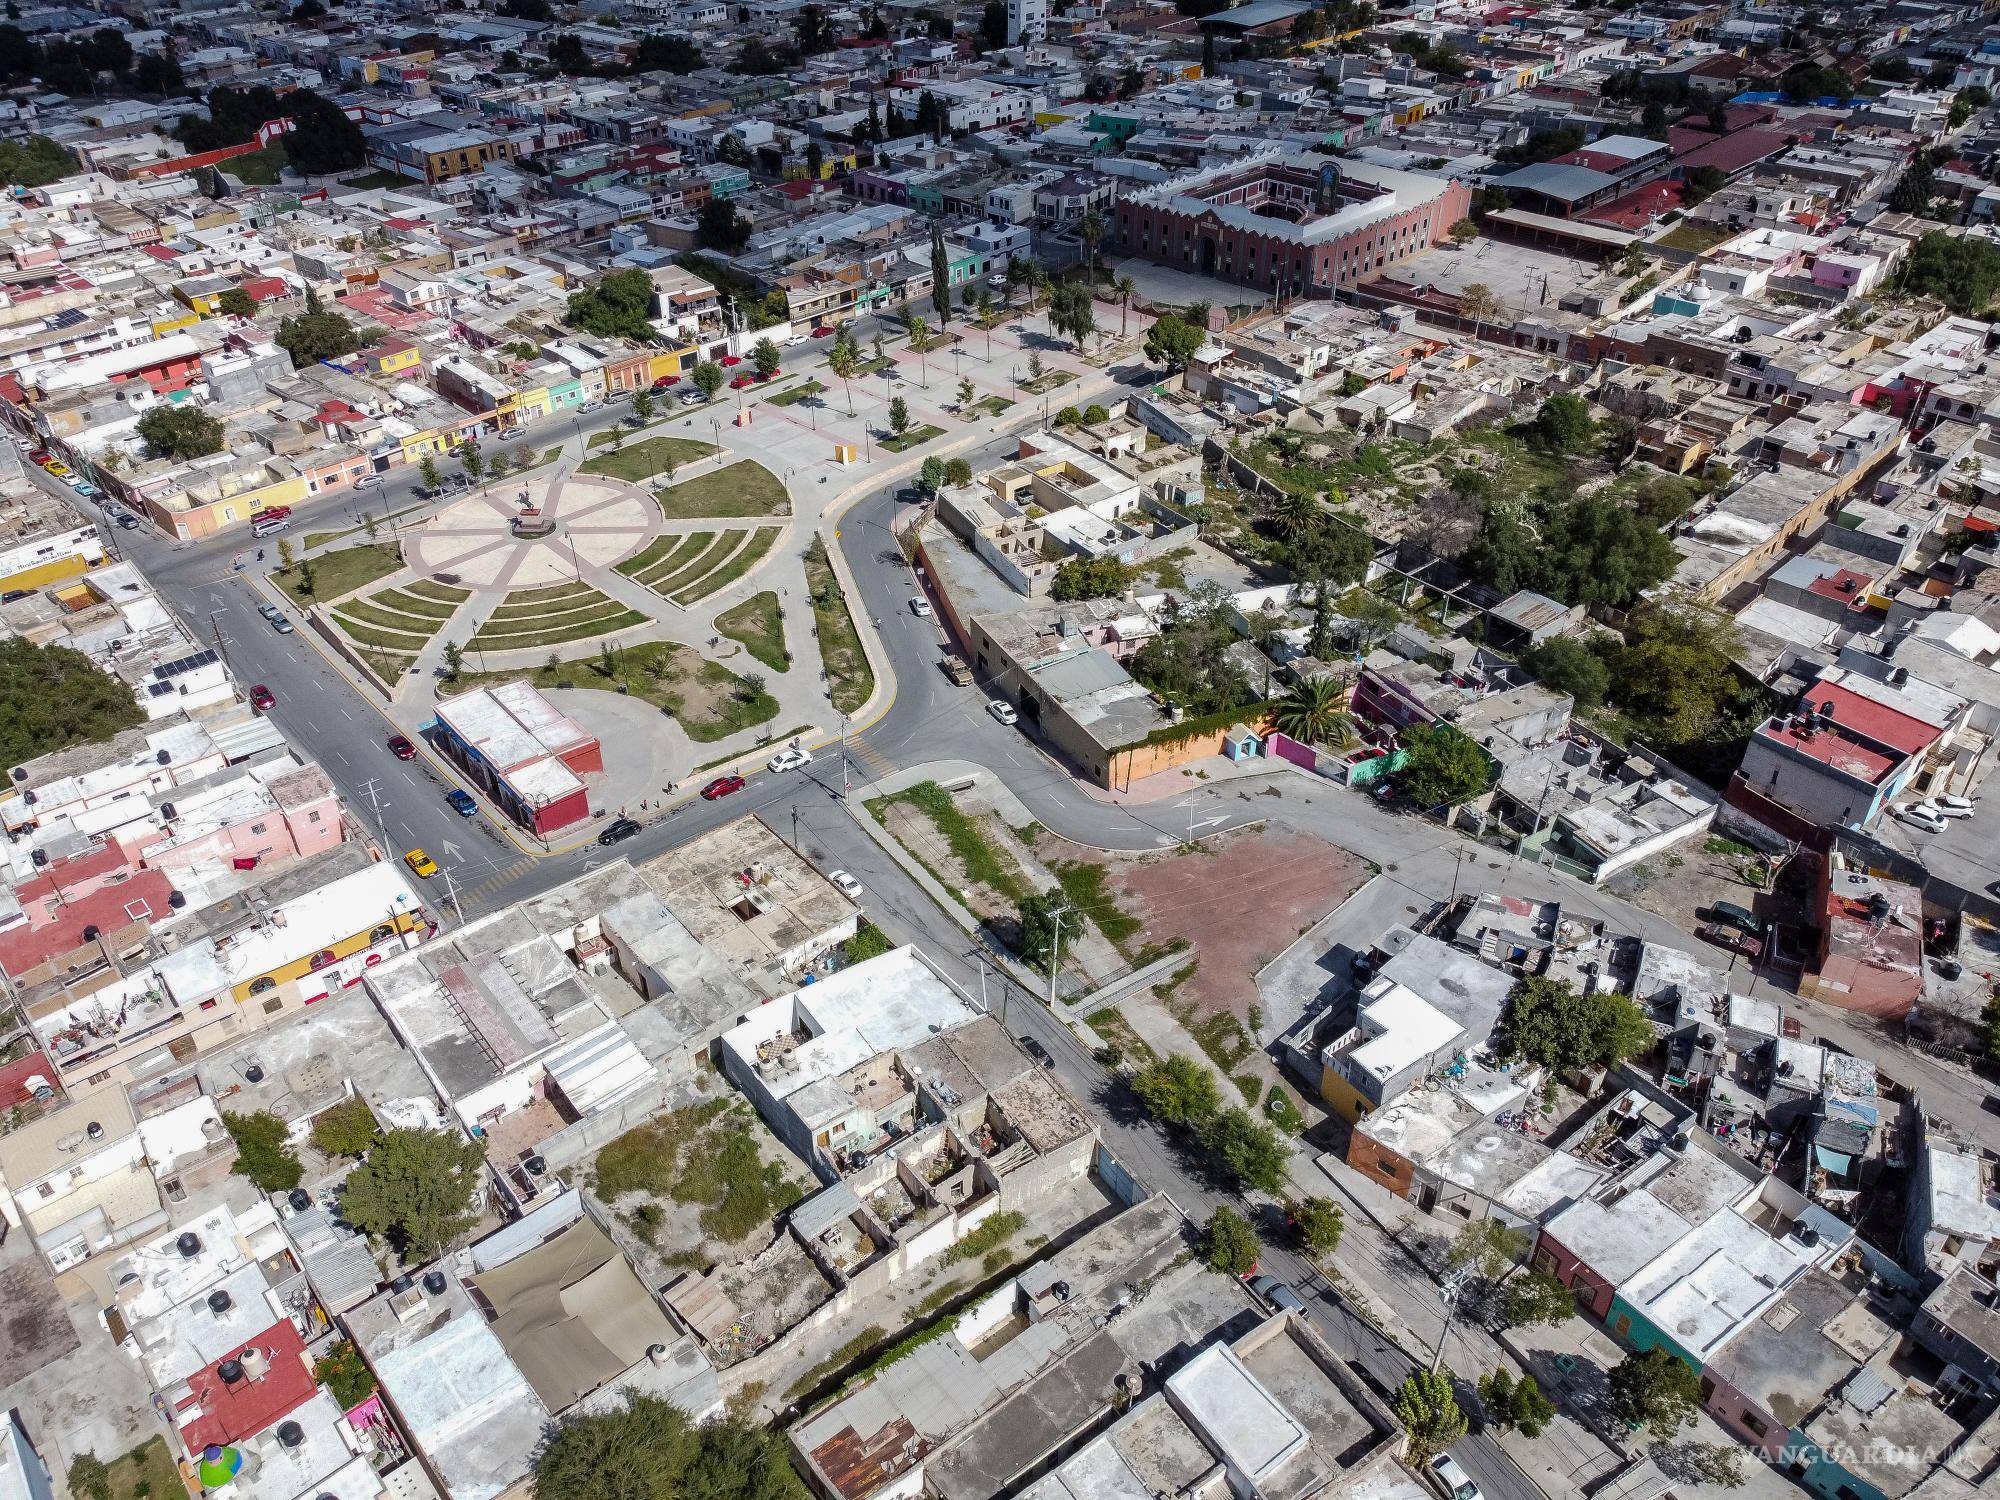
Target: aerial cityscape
(1120,750)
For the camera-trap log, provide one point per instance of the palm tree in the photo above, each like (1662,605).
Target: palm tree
(920,340)
(1296,512)
(842,359)
(1090,231)
(986,315)
(1314,711)
(1127,289)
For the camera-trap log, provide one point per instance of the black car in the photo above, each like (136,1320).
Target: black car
(1037,1051)
(619,831)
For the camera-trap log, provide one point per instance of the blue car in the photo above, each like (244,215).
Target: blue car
(461,803)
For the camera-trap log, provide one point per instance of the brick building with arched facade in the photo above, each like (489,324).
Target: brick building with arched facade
(1293,225)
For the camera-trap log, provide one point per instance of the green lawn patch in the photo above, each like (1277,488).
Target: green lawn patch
(745,488)
(993,404)
(797,393)
(1227,1044)
(1085,885)
(371,635)
(550,616)
(685,550)
(992,1232)
(914,438)
(848,674)
(761,541)
(649,456)
(430,588)
(583,597)
(710,701)
(724,543)
(598,624)
(335,574)
(409,602)
(387,665)
(1048,380)
(873,367)
(549,592)
(365,611)
(146,1473)
(969,845)
(258,168)
(646,556)
(1697,239)
(759,623)
(317,538)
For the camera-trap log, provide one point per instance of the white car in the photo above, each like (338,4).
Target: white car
(1949,806)
(1920,815)
(368,481)
(920,606)
(692,398)
(1002,710)
(1453,1480)
(849,886)
(791,760)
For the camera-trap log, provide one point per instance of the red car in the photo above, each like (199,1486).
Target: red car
(39,456)
(732,359)
(741,381)
(261,697)
(722,786)
(822,333)
(666,380)
(401,748)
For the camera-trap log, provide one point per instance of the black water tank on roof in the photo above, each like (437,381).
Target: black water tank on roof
(189,1245)
(300,1200)
(291,1434)
(230,1370)
(218,1302)
(434,1283)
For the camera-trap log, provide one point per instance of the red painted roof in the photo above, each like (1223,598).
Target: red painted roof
(161,252)
(1843,584)
(1880,723)
(1636,209)
(1831,748)
(106,910)
(263,288)
(217,1412)
(1597,161)
(15,1075)
(1731,152)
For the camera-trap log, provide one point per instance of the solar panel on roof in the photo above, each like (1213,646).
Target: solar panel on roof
(159,689)
(187,664)
(69,317)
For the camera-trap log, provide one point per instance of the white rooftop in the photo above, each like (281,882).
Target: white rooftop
(1716,1279)
(1407,1027)
(467,1406)
(1230,1407)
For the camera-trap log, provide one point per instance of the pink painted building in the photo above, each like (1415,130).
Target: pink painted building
(281,810)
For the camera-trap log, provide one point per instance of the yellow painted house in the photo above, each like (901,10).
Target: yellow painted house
(43,560)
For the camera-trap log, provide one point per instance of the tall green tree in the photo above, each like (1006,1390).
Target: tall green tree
(1319,1226)
(263,1151)
(180,432)
(322,139)
(707,378)
(617,305)
(1550,1022)
(1653,1389)
(648,1449)
(940,275)
(1171,342)
(1229,1244)
(766,359)
(1177,1090)
(1430,1414)
(313,336)
(418,1189)
(53,697)
(1444,766)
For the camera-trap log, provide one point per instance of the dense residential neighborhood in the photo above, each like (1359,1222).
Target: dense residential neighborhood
(1003,751)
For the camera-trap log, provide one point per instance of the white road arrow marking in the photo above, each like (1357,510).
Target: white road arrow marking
(450,849)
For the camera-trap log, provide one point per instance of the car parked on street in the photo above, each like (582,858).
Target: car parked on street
(278,622)
(1920,815)
(1450,1476)
(847,885)
(920,606)
(1950,806)
(460,801)
(791,759)
(722,786)
(1277,1294)
(271,612)
(1037,1051)
(1002,710)
(401,748)
(619,830)
(262,698)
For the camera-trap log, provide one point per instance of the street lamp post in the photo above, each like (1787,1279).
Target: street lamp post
(1450,1289)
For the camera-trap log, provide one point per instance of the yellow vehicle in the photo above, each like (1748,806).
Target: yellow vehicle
(421,864)
(56,467)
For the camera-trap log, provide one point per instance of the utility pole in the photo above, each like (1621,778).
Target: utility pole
(451,895)
(1055,949)
(843,758)
(1450,1289)
(221,650)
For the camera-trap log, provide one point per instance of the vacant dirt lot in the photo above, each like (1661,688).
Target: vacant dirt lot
(1241,899)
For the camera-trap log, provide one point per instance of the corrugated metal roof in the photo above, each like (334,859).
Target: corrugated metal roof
(1552,181)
